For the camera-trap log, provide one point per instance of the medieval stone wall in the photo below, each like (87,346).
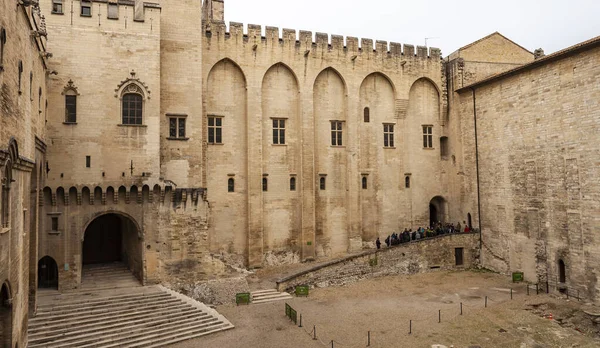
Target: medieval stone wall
(252,80)
(22,115)
(539,173)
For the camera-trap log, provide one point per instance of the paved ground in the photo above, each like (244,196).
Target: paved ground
(384,306)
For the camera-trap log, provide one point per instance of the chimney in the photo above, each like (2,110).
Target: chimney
(539,53)
(138,11)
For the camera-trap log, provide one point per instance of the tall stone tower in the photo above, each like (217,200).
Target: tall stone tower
(181,92)
(213,11)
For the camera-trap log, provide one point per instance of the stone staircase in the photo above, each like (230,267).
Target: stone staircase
(135,316)
(271,295)
(107,276)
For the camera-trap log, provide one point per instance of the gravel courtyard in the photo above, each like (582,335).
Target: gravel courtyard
(384,306)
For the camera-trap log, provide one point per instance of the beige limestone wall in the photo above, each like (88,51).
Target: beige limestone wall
(181,160)
(329,77)
(99,55)
(22,113)
(538,158)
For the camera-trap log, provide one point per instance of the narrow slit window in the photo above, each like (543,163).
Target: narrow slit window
(88,161)
(364,182)
(322,183)
(265,184)
(367,115)
(231,185)
(292,184)
(2,44)
(20,75)
(54,224)
(407,182)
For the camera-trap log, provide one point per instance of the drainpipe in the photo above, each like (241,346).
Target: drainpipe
(477,170)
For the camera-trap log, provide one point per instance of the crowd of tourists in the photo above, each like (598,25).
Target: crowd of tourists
(431,231)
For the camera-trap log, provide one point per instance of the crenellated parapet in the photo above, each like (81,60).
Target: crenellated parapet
(114,195)
(303,40)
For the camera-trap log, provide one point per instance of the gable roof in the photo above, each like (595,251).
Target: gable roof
(582,46)
(492,34)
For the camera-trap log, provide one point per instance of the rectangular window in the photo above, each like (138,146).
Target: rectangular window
(113,11)
(336,133)
(388,135)
(427,137)
(177,127)
(88,161)
(57,6)
(70,108)
(54,224)
(86,9)
(215,130)
(278,131)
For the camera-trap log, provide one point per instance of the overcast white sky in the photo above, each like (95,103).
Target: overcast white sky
(549,24)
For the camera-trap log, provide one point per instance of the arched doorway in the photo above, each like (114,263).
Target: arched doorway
(47,273)
(437,211)
(5,317)
(562,272)
(112,239)
(469,221)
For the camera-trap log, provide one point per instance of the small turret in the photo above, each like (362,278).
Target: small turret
(213,11)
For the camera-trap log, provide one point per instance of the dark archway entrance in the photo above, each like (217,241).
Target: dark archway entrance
(562,272)
(469,221)
(112,239)
(5,317)
(437,211)
(47,273)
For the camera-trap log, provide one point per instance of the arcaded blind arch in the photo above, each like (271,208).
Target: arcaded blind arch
(330,103)
(379,212)
(424,162)
(226,97)
(280,126)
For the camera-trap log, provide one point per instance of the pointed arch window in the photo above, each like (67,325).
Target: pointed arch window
(70,92)
(132,94)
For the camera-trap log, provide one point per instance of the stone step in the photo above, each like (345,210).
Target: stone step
(120,318)
(119,340)
(103,312)
(72,308)
(271,300)
(112,275)
(178,337)
(137,317)
(141,317)
(269,296)
(89,336)
(93,301)
(109,286)
(158,334)
(260,292)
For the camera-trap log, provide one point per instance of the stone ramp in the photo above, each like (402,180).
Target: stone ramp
(151,316)
(270,295)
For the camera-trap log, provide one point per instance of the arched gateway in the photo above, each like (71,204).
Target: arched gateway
(113,238)
(5,316)
(437,211)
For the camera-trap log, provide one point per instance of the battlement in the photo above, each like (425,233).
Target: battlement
(304,40)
